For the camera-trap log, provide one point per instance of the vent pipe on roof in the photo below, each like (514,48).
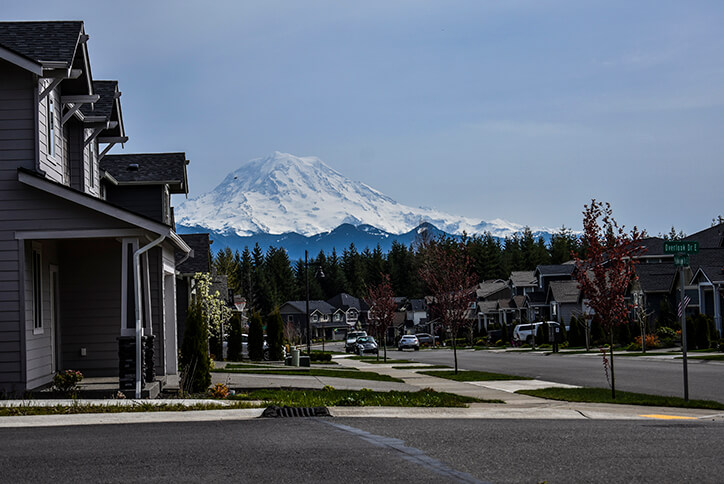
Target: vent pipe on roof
(132,167)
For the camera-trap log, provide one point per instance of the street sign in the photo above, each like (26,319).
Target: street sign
(681,259)
(681,247)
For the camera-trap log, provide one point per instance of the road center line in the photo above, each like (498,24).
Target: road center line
(411,454)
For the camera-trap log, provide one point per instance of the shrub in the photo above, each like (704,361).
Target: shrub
(320,357)
(275,335)
(666,332)
(67,380)
(219,391)
(256,337)
(234,349)
(195,361)
(328,388)
(652,341)
(703,336)
(500,343)
(721,345)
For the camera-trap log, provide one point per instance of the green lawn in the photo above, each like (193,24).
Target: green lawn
(363,398)
(140,407)
(603,395)
(704,357)
(464,375)
(373,360)
(347,373)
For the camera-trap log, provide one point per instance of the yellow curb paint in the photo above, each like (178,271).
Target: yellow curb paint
(669,417)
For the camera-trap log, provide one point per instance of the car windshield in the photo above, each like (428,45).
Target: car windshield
(366,339)
(408,337)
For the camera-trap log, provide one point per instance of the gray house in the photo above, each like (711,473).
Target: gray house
(77,270)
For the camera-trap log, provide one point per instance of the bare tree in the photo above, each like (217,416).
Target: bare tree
(607,271)
(446,272)
(382,309)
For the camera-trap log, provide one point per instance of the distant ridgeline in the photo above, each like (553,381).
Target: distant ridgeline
(362,236)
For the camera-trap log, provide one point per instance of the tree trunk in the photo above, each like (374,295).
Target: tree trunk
(455,352)
(613,376)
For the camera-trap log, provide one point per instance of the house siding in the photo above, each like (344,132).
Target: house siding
(52,165)
(17,149)
(90,312)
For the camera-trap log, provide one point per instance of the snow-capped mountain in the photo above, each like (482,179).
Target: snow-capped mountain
(283,193)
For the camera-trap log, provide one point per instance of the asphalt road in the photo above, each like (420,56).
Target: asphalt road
(367,450)
(636,374)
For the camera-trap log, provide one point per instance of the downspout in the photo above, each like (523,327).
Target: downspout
(138,296)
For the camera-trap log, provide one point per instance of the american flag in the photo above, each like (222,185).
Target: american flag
(687,300)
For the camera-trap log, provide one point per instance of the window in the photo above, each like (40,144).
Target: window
(337,317)
(37,268)
(51,126)
(315,318)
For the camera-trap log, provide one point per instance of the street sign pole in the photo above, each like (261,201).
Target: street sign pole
(683,335)
(681,250)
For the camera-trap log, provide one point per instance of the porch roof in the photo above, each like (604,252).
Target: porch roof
(137,222)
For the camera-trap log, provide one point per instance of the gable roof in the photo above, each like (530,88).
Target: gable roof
(710,238)
(345,301)
(201,261)
(563,292)
(301,306)
(713,274)
(523,278)
(43,42)
(152,169)
(488,288)
(655,277)
(555,270)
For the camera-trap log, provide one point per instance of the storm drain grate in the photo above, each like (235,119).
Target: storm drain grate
(276,412)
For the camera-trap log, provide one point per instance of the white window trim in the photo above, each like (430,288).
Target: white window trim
(50,128)
(37,281)
(124,284)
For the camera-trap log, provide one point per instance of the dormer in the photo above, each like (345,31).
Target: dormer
(144,183)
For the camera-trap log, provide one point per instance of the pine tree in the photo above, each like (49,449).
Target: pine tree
(195,361)
(275,335)
(256,337)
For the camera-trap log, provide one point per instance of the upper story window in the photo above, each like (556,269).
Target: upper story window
(51,126)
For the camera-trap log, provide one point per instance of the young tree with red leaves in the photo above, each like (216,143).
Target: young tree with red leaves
(382,309)
(607,270)
(449,280)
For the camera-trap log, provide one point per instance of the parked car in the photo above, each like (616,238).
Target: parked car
(526,332)
(350,344)
(408,341)
(426,339)
(366,344)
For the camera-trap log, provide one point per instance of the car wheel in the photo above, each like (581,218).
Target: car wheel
(266,355)
(417,348)
(529,340)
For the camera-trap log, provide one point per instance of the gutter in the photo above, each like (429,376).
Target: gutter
(138,296)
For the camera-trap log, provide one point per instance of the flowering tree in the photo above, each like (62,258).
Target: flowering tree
(607,270)
(214,309)
(449,280)
(382,309)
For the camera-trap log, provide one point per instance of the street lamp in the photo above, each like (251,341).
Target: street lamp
(309,331)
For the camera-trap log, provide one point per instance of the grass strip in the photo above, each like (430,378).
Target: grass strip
(73,409)
(468,375)
(249,365)
(704,357)
(373,360)
(603,395)
(639,353)
(362,398)
(354,374)
(420,367)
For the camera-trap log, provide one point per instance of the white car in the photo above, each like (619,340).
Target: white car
(408,341)
(350,344)
(526,332)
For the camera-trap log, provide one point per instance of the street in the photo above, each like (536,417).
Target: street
(634,374)
(367,450)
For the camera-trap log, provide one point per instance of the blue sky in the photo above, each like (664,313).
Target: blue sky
(518,109)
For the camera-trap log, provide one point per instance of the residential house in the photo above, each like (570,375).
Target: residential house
(320,319)
(522,282)
(564,300)
(78,271)
(186,268)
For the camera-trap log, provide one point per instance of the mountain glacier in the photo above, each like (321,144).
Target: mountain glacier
(283,194)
